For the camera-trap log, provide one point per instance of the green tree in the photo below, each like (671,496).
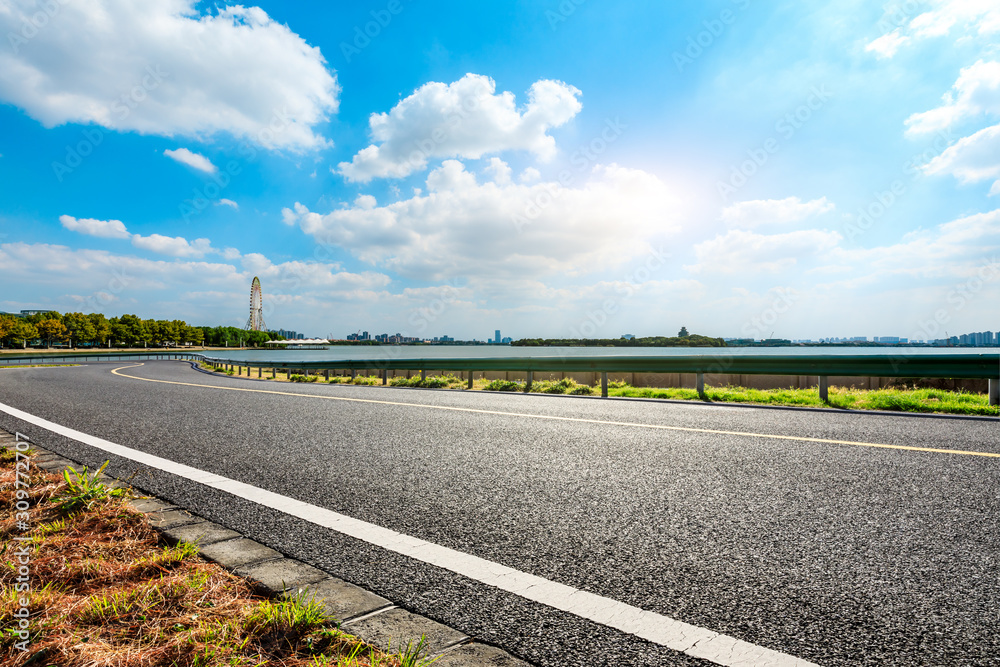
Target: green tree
(194,335)
(6,325)
(51,329)
(23,331)
(102,328)
(79,328)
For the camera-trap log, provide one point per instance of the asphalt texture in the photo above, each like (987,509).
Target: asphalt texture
(838,554)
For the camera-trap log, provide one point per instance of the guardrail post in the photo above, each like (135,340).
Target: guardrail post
(260,371)
(994,391)
(472,374)
(527,387)
(824,388)
(326,374)
(354,373)
(604,384)
(700,383)
(385,376)
(274,373)
(423,374)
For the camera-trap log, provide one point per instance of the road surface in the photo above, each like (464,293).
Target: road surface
(836,538)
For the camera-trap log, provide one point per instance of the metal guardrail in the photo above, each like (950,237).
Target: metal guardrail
(960,366)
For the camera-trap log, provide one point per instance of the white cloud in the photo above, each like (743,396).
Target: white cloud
(228,202)
(887,45)
(971,159)
(461,119)
(976,91)
(107,229)
(208,292)
(980,17)
(739,252)
(762,212)
(175,246)
(464,228)
(193,160)
(499,170)
(529,175)
(164,68)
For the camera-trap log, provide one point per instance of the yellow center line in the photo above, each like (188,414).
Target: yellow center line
(687,429)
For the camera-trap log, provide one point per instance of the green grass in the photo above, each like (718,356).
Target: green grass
(84,490)
(897,400)
(430,382)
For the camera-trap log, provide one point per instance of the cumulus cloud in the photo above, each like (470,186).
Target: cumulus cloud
(107,229)
(116,63)
(971,159)
(762,212)
(976,91)
(466,119)
(193,160)
(175,246)
(460,227)
(980,17)
(228,202)
(887,45)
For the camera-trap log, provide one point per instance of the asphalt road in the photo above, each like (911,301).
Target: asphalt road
(838,554)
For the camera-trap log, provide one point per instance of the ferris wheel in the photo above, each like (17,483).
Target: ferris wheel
(256,321)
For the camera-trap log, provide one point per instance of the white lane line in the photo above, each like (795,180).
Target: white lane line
(691,639)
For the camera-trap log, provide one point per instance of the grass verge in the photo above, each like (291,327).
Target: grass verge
(897,400)
(104,592)
(913,399)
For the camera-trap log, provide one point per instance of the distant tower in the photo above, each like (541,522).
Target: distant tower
(256,321)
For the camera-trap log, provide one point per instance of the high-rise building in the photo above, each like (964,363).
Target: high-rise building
(496,337)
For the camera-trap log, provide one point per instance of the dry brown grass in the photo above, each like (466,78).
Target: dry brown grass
(105,592)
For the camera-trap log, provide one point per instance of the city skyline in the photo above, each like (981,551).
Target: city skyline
(565,169)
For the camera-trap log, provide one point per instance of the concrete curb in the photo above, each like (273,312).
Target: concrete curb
(362,613)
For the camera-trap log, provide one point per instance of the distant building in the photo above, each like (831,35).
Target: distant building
(507,340)
(284,333)
(628,336)
(496,337)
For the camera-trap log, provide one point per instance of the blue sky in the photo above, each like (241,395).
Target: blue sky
(547,168)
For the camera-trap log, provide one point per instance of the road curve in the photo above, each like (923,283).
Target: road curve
(841,539)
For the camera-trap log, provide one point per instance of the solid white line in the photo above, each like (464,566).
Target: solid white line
(691,639)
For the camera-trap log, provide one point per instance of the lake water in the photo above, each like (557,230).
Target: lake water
(383,352)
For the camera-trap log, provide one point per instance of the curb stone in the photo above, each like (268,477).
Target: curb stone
(364,614)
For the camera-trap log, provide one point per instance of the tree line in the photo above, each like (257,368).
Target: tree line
(692,340)
(96,330)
